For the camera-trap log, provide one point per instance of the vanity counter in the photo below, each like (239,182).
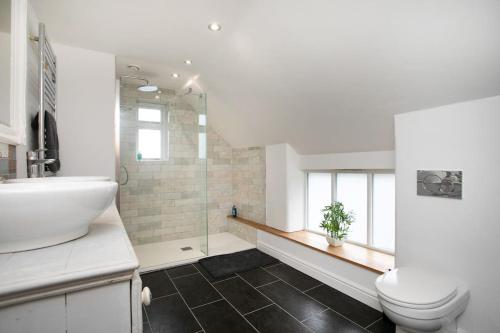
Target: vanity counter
(105,255)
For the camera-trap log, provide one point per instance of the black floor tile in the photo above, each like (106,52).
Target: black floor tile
(294,277)
(159,283)
(347,306)
(170,314)
(384,325)
(145,322)
(294,302)
(257,277)
(329,321)
(181,270)
(196,290)
(208,276)
(241,295)
(220,317)
(273,319)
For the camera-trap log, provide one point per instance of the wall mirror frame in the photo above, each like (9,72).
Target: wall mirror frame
(15,132)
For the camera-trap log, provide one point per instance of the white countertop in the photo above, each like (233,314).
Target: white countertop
(105,251)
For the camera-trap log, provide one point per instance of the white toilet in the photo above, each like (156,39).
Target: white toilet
(419,301)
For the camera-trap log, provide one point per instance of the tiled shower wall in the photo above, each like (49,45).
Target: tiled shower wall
(7,161)
(163,200)
(249,190)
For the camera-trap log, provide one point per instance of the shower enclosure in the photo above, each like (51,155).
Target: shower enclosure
(163,179)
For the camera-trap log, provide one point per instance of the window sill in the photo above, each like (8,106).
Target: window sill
(360,256)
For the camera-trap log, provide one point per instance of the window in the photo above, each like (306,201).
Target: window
(369,195)
(319,194)
(202,136)
(352,189)
(384,211)
(151,115)
(149,144)
(152,133)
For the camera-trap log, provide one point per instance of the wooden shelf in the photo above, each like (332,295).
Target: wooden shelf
(372,260)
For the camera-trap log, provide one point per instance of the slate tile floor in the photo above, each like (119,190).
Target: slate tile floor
(277,298)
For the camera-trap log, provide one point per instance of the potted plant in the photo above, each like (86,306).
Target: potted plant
(336,222)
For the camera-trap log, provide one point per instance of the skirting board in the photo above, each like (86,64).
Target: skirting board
(356,291)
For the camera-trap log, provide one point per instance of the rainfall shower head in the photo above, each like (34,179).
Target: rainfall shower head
(147,88)
(144,87)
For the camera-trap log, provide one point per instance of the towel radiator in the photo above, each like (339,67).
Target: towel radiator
(47,66)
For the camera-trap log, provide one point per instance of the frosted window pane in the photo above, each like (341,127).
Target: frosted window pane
(202,146)
(202,120)
(319,194)
(149,143)
(151,115)
(384,211)
(352,192)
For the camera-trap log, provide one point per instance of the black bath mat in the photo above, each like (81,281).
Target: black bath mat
(227,264)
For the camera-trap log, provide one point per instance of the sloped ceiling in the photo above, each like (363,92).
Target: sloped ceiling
(323,75)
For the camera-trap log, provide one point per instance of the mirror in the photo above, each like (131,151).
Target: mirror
(5,52)
(13,49)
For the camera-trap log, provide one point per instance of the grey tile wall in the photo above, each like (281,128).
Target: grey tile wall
(163,200)
(7,161)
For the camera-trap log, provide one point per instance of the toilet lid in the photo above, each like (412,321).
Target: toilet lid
(416,288)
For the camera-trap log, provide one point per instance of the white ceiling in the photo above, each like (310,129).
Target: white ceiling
(322,75)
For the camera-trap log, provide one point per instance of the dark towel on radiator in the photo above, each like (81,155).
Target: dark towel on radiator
(51,140)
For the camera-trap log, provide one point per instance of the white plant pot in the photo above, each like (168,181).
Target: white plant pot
(334,241)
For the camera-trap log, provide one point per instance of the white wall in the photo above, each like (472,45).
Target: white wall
(284,188)
(295,191)
(350,279)
(86,110)
(362,160)
(5,78)
(459,237)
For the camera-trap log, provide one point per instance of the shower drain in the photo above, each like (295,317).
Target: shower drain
(186,248)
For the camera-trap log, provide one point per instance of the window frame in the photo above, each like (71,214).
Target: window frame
(162,126)
(369,192)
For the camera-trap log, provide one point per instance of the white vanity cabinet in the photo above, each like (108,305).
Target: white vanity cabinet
(99,310)
(32,316)
(102,309)
(89,285)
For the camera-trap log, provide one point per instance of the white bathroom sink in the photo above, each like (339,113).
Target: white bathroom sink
(58,179)
(35,215)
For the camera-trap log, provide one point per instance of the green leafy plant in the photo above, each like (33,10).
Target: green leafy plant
(336,220)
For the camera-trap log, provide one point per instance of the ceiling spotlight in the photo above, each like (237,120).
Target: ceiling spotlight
(175,75)
(214,26)
(187,62)
(157,97)
(159,91)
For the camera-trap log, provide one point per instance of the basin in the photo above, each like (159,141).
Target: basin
(35,215)
(58,179)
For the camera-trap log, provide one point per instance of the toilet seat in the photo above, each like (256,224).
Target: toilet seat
(416,289)
(419,301)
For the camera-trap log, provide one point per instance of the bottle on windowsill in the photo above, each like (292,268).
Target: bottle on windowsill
(234,211)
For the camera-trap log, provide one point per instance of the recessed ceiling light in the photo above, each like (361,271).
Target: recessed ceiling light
(134,67)
(159,91)
(214,26)
(187,62)
(175,75)
(157,97)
